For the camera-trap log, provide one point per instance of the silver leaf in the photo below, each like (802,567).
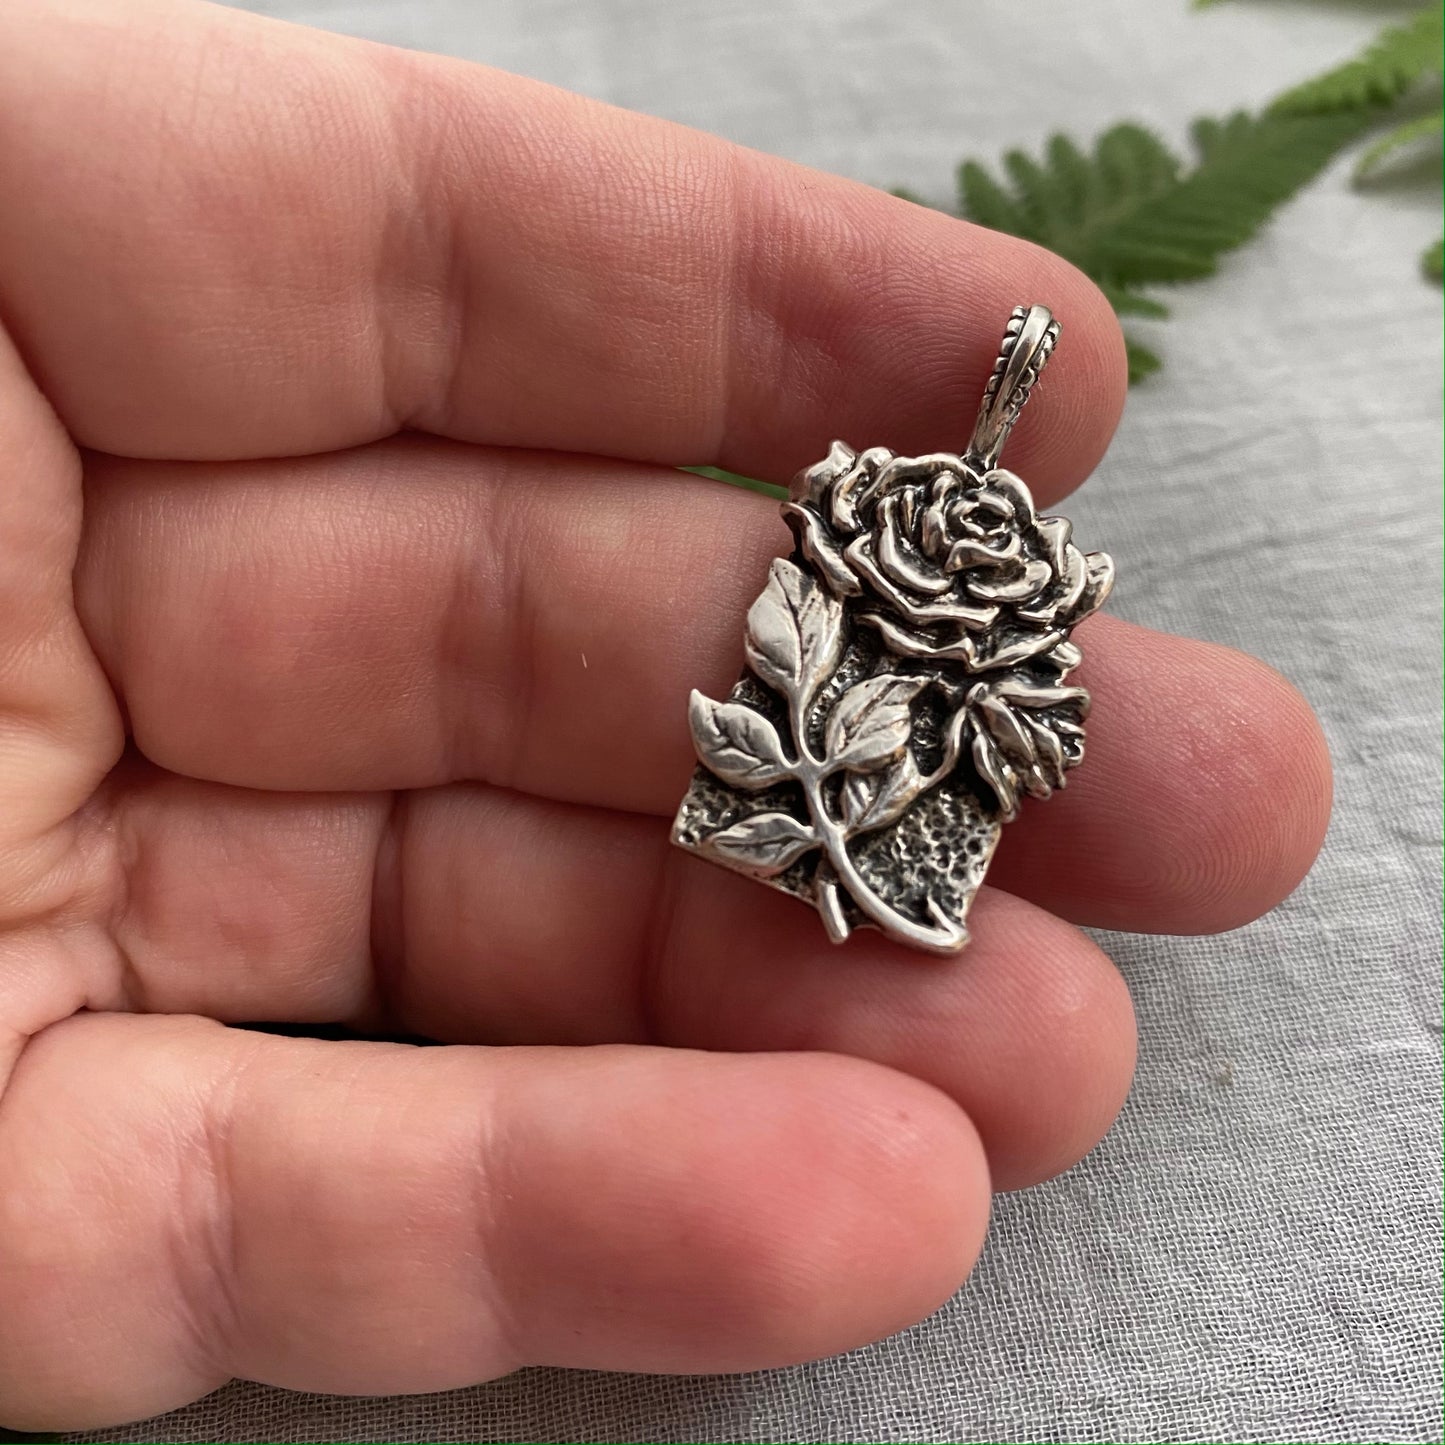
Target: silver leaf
(795,633)
(870,724)
(764,844)
(737,744)
(873,800)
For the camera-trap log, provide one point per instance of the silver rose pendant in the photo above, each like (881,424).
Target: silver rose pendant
(905,681)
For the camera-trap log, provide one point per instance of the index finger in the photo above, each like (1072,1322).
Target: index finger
(276,241)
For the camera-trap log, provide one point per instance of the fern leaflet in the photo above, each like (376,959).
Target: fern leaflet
(1247,169)
(1142,362)
(1397,58)
(1421,128)
(1131,214)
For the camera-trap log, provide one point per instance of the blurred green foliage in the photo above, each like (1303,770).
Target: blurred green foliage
(1132,214)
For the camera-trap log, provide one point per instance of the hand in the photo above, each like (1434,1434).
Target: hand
(349,603)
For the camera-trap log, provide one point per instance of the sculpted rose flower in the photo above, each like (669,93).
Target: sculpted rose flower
(952,565)
(960,565)
(905,680)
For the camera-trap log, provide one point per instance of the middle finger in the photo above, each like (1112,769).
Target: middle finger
(418,612)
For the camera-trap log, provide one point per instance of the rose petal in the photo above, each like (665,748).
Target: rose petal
(1033,577)
(1049,749)
(933,535)
(913,644)
(995,772)
(818,546)
(958,519)
(1054,533)
(915,469)
(853,489)
(1001,507)
(1022,692)
(1100,568)
(934,530)
(1014,646)
(908,508)
(971,553)
(1006,484)
(1036,784)
(1058,602)
(860,559)
(812,484)
(1007,731)
(902,564)
(1066,657)
(945,483)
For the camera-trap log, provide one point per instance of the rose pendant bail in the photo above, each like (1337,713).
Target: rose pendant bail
(1028,343)
(906,679)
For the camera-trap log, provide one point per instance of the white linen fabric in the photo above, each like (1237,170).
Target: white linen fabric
(1254,1252)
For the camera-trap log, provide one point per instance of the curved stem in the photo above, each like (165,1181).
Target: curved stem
(952,745)
(808,763)
(825,888)
(947,937)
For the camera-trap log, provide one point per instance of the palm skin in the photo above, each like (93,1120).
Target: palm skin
(349,602)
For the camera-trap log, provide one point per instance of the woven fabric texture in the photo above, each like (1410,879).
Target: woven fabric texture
(1253,1253)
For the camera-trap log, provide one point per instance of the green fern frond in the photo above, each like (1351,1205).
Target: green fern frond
(748,484)
(1432,263)
(1069,190)
(1131,214)
(1134,161)
(1397,58)
(1210,133)
(1421,128)
(982,199)
(1142,362)
(1072,196)
(1247,169)
(1044,204)
(1070,168)
(1131,303)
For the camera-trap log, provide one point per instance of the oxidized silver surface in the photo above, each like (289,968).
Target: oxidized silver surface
(906,679)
